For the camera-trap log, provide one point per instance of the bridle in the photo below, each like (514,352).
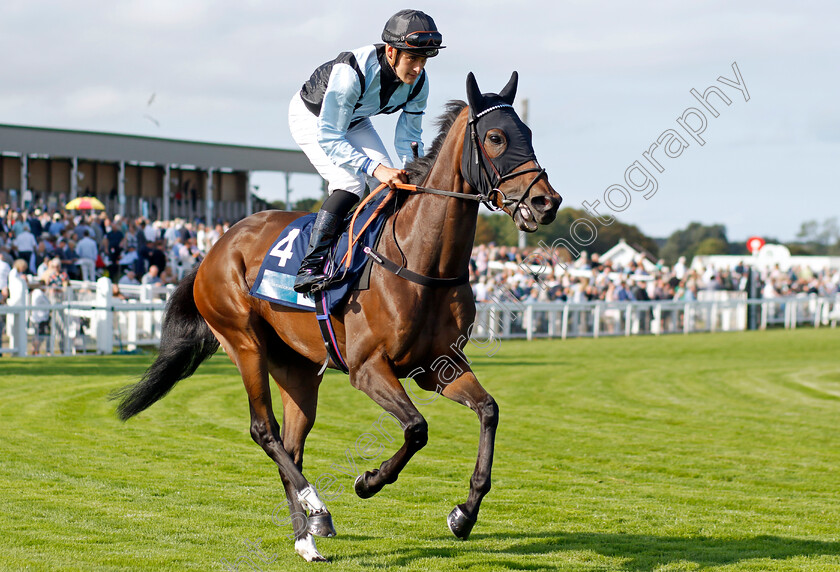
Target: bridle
(494,199)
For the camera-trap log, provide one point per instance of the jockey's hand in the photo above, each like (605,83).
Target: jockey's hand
(389,176)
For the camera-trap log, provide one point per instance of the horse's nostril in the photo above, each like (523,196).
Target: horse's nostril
(543,203)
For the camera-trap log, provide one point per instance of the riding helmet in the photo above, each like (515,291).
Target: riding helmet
(413,31)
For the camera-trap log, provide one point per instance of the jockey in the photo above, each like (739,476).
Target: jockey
(330,120)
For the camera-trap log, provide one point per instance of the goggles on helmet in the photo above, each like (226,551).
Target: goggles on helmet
(423,39)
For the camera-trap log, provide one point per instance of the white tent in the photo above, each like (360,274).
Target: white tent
(622,254)
(767,258)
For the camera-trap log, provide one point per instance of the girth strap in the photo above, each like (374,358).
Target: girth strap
(411,276)
(328,334)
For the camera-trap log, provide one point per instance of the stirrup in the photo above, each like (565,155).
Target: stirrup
(309,284)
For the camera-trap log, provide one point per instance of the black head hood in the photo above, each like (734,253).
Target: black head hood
(494,111)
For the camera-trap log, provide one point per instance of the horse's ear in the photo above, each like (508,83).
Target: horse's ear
(474,97)
(509,92)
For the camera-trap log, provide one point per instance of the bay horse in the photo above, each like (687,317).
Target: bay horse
(483,154)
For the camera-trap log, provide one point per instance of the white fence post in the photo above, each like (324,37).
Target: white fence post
(656,328)
(146,296)
(131,334)
(564,328)
(104,317)
(19,339)
(628,319)
(596,321)
(529,322)
(552,318)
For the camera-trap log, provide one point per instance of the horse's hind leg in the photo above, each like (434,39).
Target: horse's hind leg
(246,347)
(298,381)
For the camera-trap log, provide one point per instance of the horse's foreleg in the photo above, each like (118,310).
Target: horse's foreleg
(467,391)
(378,381)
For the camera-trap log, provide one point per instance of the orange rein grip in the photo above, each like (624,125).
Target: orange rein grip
(352,240)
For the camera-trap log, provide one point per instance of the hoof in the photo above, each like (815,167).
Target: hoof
(459,523)
(320,524)
(361,487)
(305,547)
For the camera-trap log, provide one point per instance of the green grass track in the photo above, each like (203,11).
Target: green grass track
(703,452)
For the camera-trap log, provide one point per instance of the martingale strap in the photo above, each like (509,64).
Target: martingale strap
(328,333)
(411,276)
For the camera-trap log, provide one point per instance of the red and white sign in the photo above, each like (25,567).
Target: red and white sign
(754,244)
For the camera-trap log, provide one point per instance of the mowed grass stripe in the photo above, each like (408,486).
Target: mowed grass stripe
(713,452)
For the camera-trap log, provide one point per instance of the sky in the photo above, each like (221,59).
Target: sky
(603,80)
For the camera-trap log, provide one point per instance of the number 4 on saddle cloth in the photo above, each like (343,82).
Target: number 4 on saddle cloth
(276,278)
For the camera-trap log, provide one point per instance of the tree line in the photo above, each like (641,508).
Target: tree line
(813,238)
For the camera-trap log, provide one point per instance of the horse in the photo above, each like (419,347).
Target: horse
(482,155)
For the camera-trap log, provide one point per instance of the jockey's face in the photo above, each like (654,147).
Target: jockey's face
(407,66)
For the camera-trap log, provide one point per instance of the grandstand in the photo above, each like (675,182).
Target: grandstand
(135,175)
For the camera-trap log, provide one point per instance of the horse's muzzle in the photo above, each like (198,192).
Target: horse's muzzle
(537,210)
(545,207)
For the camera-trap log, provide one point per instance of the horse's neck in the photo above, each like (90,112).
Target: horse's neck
(436,233)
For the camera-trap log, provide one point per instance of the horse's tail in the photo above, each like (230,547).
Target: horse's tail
(185,342)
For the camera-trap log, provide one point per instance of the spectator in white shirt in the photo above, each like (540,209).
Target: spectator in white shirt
(88,252)
(151,231)
(213,236)
(25,244)
(18,289)
(4,291)
(5,268)
(680,268)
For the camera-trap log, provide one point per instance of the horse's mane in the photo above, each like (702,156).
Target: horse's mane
(419,168)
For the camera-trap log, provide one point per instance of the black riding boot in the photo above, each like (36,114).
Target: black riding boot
(327,225)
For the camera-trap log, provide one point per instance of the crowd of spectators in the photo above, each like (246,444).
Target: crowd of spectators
(58,246)
(42,250)
(529,276)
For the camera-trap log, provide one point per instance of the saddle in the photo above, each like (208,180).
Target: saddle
(347,269)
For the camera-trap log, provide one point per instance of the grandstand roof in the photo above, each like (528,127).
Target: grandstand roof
(21,139)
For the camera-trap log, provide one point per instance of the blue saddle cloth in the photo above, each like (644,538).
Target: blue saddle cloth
(279,267)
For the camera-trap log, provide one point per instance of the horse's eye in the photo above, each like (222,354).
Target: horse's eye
(495,138)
